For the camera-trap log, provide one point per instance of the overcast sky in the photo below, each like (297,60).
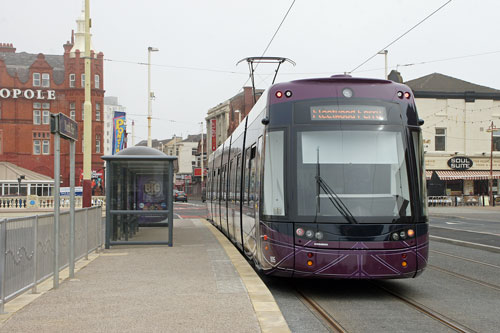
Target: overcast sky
(324,37)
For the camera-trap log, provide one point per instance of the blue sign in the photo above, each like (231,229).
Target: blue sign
(119,126)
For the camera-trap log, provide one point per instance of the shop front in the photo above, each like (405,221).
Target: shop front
(462,176)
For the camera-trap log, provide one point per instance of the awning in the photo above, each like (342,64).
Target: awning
(428,174)
(467,174)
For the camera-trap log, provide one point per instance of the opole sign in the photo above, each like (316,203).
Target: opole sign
(27,93)
(460,163)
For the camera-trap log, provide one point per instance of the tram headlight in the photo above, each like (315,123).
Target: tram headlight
(407,95)
(400,94)
(309,234)
(288,93)
(395,236)
(319,235)
(348,93)
(402,235)
(279,94)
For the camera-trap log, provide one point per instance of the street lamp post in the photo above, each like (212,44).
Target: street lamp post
(384,52)
(490,183)
(150,49)
(21,177)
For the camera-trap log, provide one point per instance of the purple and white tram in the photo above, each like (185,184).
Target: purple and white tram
(325,178)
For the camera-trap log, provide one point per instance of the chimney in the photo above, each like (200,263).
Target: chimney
(7,48)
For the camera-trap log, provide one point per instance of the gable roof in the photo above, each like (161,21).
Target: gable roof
(21,62)
(437,82)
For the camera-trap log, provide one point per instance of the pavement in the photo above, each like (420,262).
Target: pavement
(201,284)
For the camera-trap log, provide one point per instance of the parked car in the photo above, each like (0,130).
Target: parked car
(180,196)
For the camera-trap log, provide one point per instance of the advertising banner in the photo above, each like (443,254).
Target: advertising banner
(119,126)
(214,134)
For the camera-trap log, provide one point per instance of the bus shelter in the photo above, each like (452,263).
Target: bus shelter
(139,197)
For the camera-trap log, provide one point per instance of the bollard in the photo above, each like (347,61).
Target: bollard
(35,255)
(3,251)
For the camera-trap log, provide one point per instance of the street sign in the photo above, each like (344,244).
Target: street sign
(64,125)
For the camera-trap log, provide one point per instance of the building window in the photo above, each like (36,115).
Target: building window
(97,143)
(37,113)
(36,147)
(45,147)
(1,142)
(36,79)
(72,110)
(97,111)
(97,81)
(46,80)
(46,113)
(440,139)
(83,110)
(496,140)
(194,151)
(72,78)
(83,80)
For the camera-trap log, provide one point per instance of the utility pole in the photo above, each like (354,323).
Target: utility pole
(202,155)
(133,133)
(384,52)
(87,123)
(490,182)
(150,49)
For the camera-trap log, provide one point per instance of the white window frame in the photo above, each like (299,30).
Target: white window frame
(83,80)
(37,117)
(36,80)
(72,79)
(45,80)
(97,143)
(98,111)
(45,147)
(72,110)
(97,81)
(439,135)
(45,117)
(37,149)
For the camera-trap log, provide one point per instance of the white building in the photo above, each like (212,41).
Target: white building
(110,106)
(457,142)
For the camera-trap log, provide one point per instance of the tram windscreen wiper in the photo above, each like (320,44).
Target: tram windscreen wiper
(334,198)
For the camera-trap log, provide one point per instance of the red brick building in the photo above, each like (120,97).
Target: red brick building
(34,85)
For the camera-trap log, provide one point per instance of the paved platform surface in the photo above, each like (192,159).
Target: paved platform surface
(201,284)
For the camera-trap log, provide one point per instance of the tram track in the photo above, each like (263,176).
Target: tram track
(444,320)
(332,324)
(465,259)
(335,326)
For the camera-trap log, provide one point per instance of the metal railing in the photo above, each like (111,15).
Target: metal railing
(27,248)
(45,202)
(462,200)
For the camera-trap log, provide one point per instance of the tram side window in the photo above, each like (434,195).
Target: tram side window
(246,175)
(217,184)
(251,181)
(224,183)
(419,157)
(231,181)
(273,194)
(238,178)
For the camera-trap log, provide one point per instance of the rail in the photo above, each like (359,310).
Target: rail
(27,248)
(462,200)
(45,202)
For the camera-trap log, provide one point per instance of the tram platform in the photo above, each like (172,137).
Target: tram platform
(201,284)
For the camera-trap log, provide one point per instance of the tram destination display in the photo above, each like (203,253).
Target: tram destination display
(348,112)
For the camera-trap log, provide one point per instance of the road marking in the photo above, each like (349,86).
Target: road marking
(462,217)
(466,244)
(465,230)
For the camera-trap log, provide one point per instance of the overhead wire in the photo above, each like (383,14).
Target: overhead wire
(401,36)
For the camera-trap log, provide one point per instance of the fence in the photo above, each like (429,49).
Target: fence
(45,202)
(27,248)
(462,200)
